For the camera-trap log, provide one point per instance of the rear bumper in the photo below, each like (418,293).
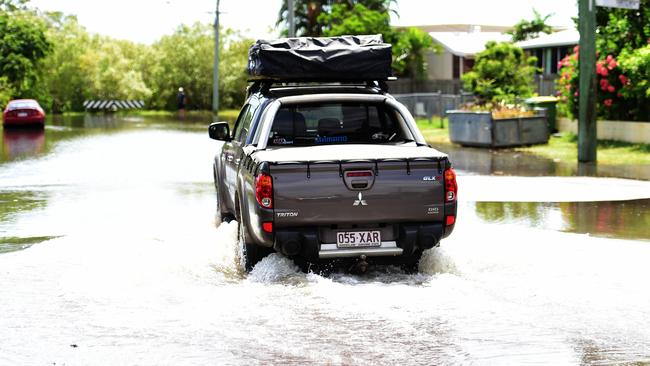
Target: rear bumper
(23,121)
(387,249)
(306,242)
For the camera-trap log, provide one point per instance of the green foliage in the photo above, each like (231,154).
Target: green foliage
(13,5)
(409,52)
(50,57)
(527,29)
(623,66)
(185,59)
(409,44)
(502,73)
(622,29)
(23,44)
(307,13)
(637,89)
(233,77)
(342,20)
(6,92)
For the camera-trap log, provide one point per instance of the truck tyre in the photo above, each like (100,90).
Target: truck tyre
(410,263)
(250,253)
(221,215)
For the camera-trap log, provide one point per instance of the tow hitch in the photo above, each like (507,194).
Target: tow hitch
(360,267)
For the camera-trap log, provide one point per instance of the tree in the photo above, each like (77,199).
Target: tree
(409,44)
(343,20)
(622,29)
(623,65)
(13,5)
(82,67)
(527,29)
(636,82)
(307,13)
(232,68)
(501,73)
(409,52)
(23,44)
(184,58)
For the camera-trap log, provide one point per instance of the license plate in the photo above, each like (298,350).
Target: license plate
(355,239)
(22,114)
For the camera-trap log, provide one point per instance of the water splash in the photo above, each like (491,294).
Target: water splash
(437,261)
(227,259)
(276,268)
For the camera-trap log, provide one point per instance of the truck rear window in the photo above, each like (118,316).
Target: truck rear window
(335,123)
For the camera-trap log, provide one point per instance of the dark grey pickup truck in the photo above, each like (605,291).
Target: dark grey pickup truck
(332,172)
(322,172)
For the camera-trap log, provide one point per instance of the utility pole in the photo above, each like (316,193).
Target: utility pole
(587,132)
(290,18)
(215,71)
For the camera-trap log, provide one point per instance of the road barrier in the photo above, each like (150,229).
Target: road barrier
(112,105)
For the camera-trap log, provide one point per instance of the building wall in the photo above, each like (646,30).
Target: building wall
(635,132)
(439,66)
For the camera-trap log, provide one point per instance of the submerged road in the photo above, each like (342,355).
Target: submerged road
(109,255)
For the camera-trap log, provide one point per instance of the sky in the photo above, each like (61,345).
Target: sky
(145,21)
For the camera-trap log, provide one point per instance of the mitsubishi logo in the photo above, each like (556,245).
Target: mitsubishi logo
(360,201)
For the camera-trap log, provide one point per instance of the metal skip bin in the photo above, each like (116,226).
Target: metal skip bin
(480,129)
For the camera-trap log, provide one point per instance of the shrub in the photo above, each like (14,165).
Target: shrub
(636,65)
(621,85)
(502,73)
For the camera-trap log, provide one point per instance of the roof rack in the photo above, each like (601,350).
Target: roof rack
(263,86)
(343,59)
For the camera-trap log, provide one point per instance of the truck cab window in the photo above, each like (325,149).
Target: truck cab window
(243,124)
(335,123)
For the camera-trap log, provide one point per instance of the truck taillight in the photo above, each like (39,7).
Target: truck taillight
(451,187)
(264,190)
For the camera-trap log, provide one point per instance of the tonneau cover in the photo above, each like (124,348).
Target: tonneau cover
(347,153)
(344,58)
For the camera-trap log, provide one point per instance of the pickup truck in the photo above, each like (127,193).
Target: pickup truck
(331,172)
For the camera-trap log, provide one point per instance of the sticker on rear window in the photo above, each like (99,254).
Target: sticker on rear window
(282,141)
(330,139)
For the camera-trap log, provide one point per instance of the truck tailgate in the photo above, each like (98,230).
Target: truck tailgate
(358,192)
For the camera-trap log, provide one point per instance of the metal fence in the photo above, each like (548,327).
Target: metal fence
(407,85)
(427,105)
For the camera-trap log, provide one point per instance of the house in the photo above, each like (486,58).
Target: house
(460,44)
(550,49)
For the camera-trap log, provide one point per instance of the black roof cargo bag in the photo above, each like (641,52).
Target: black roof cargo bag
(320,59)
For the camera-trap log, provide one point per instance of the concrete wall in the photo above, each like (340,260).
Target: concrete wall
(439,66)
(635,132)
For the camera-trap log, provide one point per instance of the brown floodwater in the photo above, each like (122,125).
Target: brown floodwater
(110,255)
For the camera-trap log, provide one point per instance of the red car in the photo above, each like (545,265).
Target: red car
(23,112)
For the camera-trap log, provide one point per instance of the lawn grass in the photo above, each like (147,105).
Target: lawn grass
(561,147)
(432,131)
(564,147)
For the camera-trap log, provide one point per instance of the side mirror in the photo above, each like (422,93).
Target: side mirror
(219,131)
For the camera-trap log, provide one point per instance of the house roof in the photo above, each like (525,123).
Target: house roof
(465,43)
(569,37)
(462,28)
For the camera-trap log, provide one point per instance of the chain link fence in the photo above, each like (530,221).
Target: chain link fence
(427,105)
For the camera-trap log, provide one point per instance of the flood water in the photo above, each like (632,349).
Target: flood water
(110,255)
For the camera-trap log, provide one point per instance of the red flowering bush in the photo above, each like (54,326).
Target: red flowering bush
(611,83)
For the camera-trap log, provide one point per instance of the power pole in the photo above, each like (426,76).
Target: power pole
(290,18)
(215,70)
(587,132)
